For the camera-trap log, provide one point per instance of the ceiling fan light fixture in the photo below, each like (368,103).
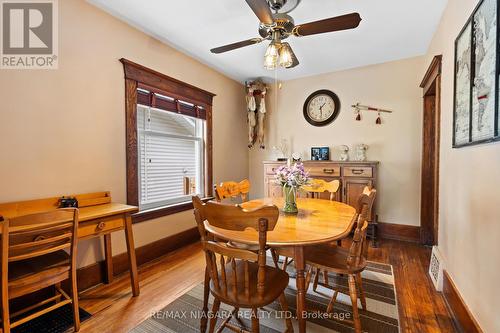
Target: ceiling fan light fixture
(286,58)
(271,56)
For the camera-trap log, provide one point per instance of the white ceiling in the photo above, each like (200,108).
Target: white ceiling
(390,30)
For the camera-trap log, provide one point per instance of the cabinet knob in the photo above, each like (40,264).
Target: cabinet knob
(101,226)
(358,171)
(328,171)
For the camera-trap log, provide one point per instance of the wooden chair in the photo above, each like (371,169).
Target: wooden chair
(33,258)
(231,190)
(318,186)
(235,276)
(350,262)
(315,187)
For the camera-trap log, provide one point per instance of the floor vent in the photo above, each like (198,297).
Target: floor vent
(436,269)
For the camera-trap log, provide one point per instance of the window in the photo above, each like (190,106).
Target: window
(168,142)
(171,157)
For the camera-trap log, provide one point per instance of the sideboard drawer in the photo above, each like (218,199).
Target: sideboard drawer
(270,169)
(100,226)
(358,171)
(325,171)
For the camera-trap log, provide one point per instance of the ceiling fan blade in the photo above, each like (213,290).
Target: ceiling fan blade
(338,23)
(262,10)
(236,45)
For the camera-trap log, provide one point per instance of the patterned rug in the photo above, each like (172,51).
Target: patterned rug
(183,314)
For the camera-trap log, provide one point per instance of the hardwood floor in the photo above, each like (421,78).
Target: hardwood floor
(421,308)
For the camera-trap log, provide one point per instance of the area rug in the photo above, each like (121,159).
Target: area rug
(58,321)
(183,314)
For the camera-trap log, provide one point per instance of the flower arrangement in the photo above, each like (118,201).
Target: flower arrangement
(291,178)
(294,176)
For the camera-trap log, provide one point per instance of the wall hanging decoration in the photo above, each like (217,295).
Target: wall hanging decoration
(358,108)
(475,115)
(256,110)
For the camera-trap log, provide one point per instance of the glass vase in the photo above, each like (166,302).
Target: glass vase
(289,193)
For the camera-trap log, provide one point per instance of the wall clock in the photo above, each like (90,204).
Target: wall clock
(321,107)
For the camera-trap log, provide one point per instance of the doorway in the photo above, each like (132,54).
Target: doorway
(429,203)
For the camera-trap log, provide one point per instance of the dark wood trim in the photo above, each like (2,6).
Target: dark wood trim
(462,317)
(209,155)
(179,89)
(408,233)
(164,211)
(95,274)
(137,75)
(429,203)
(432,72)
(131,139)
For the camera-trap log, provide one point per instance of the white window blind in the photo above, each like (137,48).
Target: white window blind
(171,157)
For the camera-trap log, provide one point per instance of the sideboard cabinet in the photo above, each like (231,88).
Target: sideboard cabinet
(353,177)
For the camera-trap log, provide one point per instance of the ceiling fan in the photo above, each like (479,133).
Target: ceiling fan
(279,26)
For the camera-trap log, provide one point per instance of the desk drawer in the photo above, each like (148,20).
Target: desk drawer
(356,171)
(100,226)
(325,171)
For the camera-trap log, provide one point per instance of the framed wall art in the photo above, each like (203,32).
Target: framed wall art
(476,90)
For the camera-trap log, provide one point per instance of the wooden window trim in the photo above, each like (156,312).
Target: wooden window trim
(139,76)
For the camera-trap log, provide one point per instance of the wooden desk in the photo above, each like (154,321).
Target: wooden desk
(98,217)
(318,221)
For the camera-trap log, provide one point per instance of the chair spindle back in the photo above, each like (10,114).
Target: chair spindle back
(359,245)
(232,265)
(230,189)
(38,234)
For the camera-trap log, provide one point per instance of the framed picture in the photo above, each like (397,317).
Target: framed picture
(320,154)
(475,114)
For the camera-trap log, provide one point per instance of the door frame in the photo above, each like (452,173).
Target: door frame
(431,86)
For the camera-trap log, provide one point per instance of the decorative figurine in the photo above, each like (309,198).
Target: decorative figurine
(361,152)
(344,153)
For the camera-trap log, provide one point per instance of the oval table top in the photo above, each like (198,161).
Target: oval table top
(318,221)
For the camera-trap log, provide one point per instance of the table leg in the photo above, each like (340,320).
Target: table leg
(301,287)
(109,258)
(134,279)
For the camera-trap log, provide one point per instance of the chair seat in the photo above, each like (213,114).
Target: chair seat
(332,258)
(275,283)
(38,272)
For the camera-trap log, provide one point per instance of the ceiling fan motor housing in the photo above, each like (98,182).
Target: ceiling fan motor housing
(284,25)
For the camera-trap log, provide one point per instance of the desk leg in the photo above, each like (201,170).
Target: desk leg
(109,258)
(301,287)
(134,279)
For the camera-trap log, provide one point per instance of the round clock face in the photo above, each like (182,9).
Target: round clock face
(321,108)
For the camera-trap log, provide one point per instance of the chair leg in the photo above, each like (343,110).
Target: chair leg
(206,291)
(74,301)
(362,297)
(325,277)
(285,264)
(354,300)
(284,308)
(329,308)
(316,279)
(275,258)
(5,314)
(255,321)
(213,318)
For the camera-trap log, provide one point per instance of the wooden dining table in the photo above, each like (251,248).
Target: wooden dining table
(318,221)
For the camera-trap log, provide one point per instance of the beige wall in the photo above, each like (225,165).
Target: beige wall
(63,131)
(396,143)
(469,226)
